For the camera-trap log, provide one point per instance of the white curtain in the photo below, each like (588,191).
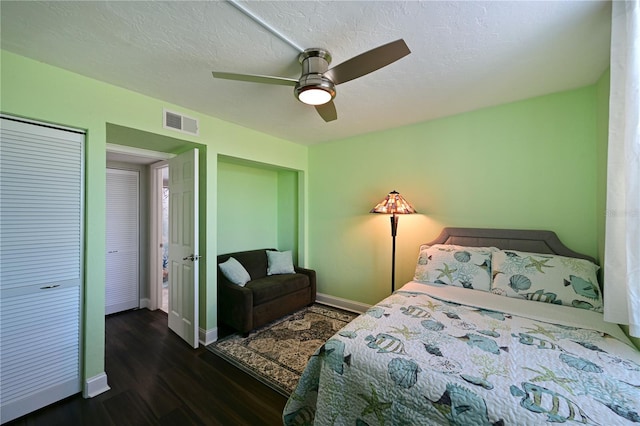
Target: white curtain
(622,240)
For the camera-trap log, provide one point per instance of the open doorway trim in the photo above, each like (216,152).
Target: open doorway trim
(155,240)
(133,152)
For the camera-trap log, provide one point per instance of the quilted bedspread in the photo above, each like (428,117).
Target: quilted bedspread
(430,355)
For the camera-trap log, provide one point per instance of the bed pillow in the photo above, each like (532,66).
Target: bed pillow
(468,267)
(235,272)
(547,278)
(279,262)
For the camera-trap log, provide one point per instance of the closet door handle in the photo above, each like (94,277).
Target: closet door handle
(46,287)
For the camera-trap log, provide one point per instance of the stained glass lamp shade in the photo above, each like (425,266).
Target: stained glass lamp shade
(393,204)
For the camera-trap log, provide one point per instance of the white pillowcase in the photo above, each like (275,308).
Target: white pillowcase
(235,272)
(279,262)
(460,266)
(547,278)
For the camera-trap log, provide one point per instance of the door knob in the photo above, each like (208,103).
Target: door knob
(192,257)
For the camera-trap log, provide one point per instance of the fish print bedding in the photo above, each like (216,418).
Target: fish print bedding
(434,355)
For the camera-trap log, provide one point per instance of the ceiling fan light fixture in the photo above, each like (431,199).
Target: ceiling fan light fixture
(315,89)
(314,96)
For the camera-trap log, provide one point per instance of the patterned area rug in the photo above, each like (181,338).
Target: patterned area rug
(277,353)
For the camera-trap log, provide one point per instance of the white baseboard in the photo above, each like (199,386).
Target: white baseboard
(95,385)
(338,302)
(145,303)
(207,337)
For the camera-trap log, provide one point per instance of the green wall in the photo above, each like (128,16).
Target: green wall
(41,92)
(247,207)
(258,207)
(288,213)
(530,164)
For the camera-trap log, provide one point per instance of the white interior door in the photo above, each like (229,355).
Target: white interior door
(183,246)
(122,262)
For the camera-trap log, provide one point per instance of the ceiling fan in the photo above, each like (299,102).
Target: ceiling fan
(317,82)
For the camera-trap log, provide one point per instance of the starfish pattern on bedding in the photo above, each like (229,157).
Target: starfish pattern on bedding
(541,330)
(431,305)
(446,271)
(538,264)
(550,376)
(404,331)
(374,405)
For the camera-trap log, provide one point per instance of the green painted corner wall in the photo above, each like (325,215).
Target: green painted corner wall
(247,207)
(41,92)
(288,212)
(529,164)
(258,207)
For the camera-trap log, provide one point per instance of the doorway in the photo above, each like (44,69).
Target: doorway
(164,237)
(152,151)
(150,220)
(159,236)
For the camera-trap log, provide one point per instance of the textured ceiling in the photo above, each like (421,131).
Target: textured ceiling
(465,54)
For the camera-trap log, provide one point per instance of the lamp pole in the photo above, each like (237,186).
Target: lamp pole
(393,204)
(394,232)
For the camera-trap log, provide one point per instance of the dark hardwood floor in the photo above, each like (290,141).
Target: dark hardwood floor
(157,379)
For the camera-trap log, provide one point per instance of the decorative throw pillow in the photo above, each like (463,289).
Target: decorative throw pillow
(279,262)
(468,267)
(235,272)
(547,278)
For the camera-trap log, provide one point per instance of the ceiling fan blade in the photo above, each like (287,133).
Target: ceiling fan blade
(253,78)
(368,62)
(327,111)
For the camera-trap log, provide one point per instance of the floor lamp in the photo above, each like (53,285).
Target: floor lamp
(393,204)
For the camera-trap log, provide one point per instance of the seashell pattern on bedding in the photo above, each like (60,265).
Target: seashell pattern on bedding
(468,267)
(546,278)
(439,358)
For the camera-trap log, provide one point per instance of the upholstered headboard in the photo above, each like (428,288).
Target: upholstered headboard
(508,239)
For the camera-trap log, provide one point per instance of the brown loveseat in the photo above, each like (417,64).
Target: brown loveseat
(265,297)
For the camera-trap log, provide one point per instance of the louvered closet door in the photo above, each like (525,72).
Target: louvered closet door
(122,280)
(41,212)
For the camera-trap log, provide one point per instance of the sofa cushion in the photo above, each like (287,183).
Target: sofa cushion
(254,261)
(235,272)
(279,262)
(275,286)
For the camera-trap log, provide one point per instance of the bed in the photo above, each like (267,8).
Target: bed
(523,344)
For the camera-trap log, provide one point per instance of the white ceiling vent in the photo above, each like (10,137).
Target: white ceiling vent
(179,122)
